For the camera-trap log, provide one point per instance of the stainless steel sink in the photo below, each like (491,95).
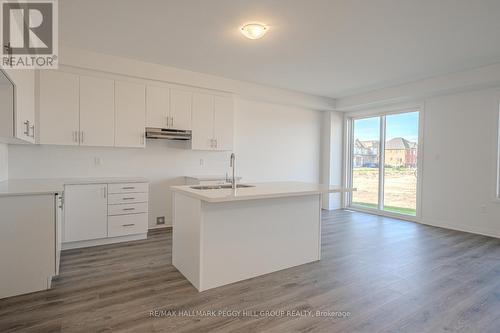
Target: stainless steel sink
(218,187)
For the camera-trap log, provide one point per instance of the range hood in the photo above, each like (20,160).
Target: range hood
(167,133)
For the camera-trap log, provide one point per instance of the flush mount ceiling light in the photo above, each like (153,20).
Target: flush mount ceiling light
(254,30)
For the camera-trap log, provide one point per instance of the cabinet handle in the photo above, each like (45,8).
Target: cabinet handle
(75,136)
(128,188)
(128,225)
(32,128)
(172,121)
(27,129)
(128,209)
(81,136)
(128,198)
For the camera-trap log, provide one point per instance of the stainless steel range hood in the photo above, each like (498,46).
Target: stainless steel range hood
(168,134)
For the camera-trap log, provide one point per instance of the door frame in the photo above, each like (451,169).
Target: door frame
(348,154)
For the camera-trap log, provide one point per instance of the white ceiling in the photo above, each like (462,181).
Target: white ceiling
(322,47)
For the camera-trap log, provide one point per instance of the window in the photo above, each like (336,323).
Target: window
(384,162)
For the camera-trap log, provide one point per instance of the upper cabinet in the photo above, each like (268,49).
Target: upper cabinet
(180,109)
(80,109)
(130,112)
(168,108)
(59,108)
(18,106)
(97,111)
(90,110)
(203,122)
(212,122)
(223,123)
(157,106)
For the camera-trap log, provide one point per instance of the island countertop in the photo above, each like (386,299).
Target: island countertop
(260,191)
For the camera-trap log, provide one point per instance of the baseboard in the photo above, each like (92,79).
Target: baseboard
(463,228)
(102,241)
(432,223)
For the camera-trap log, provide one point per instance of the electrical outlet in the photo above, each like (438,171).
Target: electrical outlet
(97,160)
(160,220)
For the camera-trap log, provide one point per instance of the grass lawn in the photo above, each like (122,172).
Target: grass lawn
(398,210)
(399,192)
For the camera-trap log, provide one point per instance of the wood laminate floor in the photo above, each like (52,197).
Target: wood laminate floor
(376,275)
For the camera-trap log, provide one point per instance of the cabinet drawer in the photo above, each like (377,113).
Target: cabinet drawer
(123,225)
(133,208)
(128,188)
(122,198)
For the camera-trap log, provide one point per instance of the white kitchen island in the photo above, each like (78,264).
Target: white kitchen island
(221,236)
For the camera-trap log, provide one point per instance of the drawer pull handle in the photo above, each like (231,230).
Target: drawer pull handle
(128,225)
(128,198)
(128,188)
(128,208)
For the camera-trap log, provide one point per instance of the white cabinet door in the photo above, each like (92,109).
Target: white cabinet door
(130,114)
(223,123)
(203,122)
(59,108)
(97,112)
(157,106)
(24,94)
(180,109)
(85,212)
(7,113)
(27,243)
(59,224)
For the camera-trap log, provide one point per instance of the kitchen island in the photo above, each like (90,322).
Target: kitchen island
(225,235)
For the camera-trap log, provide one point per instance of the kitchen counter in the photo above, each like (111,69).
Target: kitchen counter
(14,187)
(259,191)
(221,236)
(209,178)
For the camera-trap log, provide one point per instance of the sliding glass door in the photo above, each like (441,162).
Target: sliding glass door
(384,161)
(365,163)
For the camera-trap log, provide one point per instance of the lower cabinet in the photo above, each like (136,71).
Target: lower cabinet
(28,243)
(97,214)
(86,212)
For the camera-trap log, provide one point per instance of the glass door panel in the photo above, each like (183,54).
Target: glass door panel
(365,163)
(400,163)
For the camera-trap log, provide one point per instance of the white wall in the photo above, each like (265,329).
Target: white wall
(459,146)
(332,156)
(4,166)
(275,142)
(272,142)
(459,166)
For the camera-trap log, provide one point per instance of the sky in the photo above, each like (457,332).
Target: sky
(403,125)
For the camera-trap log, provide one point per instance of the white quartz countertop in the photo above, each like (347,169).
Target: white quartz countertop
(260,191)
(56,185)
(209,177)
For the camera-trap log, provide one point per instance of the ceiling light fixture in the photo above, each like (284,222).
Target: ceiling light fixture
(254,30)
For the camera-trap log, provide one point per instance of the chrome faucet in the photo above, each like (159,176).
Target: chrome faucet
(231,164)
